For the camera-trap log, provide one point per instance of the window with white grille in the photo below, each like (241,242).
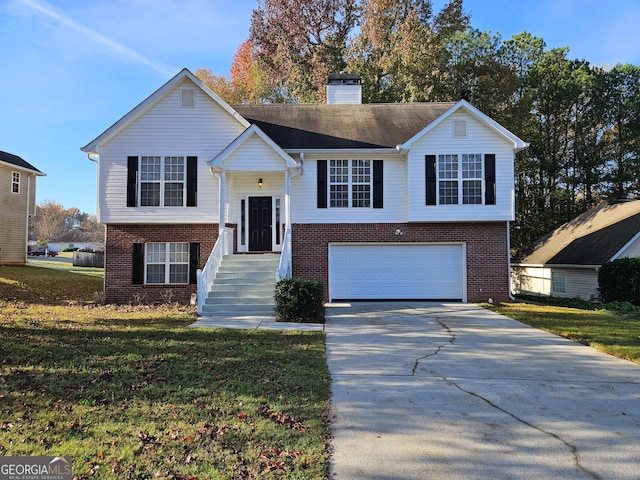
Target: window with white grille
(350,183)
(167,263)
(460,179)
(162,181)
(15,182)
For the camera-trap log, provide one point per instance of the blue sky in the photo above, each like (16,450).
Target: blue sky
(70,69)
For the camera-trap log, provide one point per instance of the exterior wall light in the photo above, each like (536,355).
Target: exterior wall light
(260,182)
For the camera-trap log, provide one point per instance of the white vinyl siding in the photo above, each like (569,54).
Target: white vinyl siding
(479,139)
(254,155)
(534,280)
(169,130)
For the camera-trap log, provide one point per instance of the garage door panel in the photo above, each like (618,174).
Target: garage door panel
(405,271)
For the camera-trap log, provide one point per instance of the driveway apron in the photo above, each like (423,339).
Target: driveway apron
(454,391)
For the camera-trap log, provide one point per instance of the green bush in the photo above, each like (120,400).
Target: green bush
(619,281)
(299,300)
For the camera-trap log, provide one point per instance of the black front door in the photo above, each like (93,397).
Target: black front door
(259,224)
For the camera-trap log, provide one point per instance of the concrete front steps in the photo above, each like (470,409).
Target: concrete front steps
(243,286)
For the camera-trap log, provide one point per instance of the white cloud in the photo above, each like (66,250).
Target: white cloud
(113,46)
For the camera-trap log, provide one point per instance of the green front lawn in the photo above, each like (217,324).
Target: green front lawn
(609,332)
(132,392)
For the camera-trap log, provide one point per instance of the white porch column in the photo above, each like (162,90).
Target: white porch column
(287,198)
(221,201)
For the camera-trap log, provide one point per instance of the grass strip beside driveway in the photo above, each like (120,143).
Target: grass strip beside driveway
(609,332)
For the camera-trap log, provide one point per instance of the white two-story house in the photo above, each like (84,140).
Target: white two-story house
(378,201)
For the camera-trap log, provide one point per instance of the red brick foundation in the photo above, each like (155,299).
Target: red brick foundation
(486,248)
(119,259)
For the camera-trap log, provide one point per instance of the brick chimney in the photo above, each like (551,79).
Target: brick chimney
(344,88)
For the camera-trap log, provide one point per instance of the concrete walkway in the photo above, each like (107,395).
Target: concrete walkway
(439,391)
(253,322)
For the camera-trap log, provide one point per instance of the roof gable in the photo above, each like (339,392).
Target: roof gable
(16,161)
(518,144)
(153,99)
(251,132)
(593,238)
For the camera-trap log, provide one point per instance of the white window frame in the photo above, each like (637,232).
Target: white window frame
(15,182)
(558,282)
(166,176)
(168,254)
(358,180)
(455,178)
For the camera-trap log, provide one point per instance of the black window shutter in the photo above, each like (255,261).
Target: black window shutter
(378,184)
(132,181)
(430,163)
(194,262)
(192,181)
(137,274)
(490,179)
(322,184)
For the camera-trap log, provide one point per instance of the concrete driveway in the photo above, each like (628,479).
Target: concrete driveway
(453,391)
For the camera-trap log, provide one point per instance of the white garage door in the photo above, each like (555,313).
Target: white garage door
(399,271)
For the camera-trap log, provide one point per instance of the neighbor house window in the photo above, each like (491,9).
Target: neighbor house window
(167,263)
(558,282)
(350,183)
(162,181)
(15,182)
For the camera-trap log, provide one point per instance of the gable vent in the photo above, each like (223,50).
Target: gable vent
(188,97)
(459,128)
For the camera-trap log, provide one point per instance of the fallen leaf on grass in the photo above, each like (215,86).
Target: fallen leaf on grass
(283,419)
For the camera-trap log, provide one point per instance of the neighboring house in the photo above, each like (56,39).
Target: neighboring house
(379,201)
(565,263)
(17,204)
(76,238)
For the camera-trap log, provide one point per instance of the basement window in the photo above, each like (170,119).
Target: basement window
(167,263)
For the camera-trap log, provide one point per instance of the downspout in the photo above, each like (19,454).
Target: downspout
(28,213)
(96,160)
(299,170)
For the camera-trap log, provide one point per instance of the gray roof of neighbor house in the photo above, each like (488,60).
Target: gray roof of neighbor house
(75,235)
(17,161)
(374,125)
(592,238)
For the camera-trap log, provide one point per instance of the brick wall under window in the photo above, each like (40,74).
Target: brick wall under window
(119,257)
(486,248)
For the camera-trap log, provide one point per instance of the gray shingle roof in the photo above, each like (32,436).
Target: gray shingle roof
(592,238)
(304,127)
(17,161)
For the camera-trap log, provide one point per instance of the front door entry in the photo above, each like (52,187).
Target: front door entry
(260,224)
